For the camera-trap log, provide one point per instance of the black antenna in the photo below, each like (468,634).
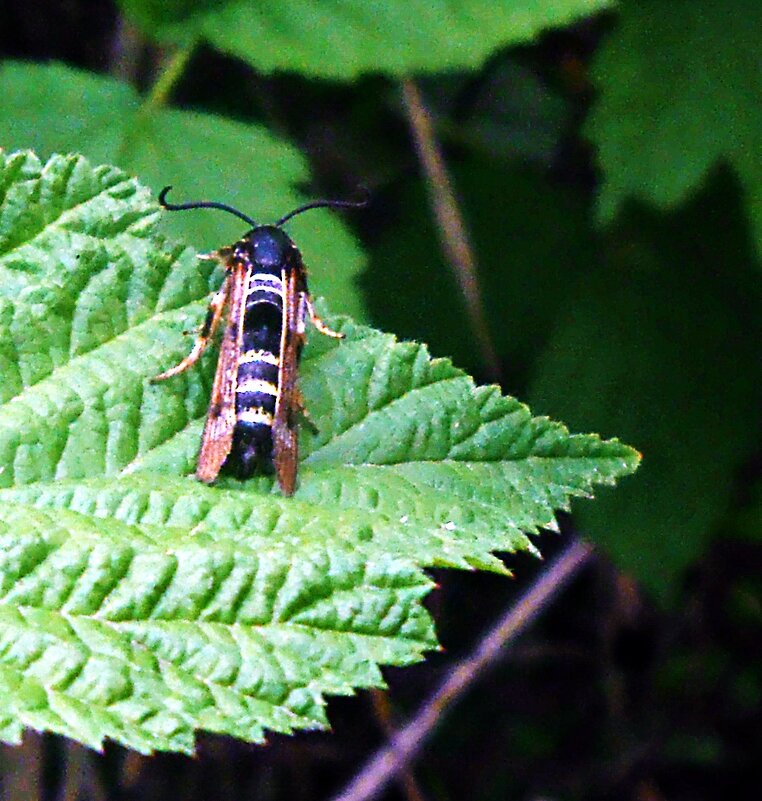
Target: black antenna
(331,204)
(204,204)
(210,204)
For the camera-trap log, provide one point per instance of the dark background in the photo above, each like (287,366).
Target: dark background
(634,684)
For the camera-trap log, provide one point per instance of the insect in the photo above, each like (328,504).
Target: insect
(255,402)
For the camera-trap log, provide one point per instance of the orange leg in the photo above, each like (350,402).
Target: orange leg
(213,316)
(221,255)
(320,325)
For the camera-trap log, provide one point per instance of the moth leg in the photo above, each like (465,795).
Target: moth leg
(319,324)
(213,315)
(299,412)
(222,255)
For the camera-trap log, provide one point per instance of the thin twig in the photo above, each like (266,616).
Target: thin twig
(23,769)
(158,96)
(404,746)
(170,74)
(127,48)
(453,236)
(382,709)
(80,778)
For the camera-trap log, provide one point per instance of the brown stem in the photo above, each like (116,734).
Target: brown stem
(382,709)
(453,236)
(127,50)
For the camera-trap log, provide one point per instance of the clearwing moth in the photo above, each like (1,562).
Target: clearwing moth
(255,403)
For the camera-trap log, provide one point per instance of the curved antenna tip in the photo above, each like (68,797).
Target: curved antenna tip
(202,204)
(329,204)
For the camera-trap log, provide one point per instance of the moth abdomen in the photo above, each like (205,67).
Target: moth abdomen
(257,377)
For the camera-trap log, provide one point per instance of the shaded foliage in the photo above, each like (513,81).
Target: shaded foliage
(634,320)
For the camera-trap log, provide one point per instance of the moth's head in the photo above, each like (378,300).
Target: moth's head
(268,245)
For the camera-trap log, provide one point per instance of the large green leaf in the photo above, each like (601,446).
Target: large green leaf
(662,344)
(680,91)
(55,109)
(342,38)
(140,605)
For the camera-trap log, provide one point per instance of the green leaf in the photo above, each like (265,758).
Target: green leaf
(343,38)
(140,605)
(512,113)
(55,109)
(680,91)
(662,343)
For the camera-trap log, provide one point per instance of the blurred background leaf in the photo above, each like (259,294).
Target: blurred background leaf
(662,342)
(680,90)
(531,240)
(360,37)
(55,109)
